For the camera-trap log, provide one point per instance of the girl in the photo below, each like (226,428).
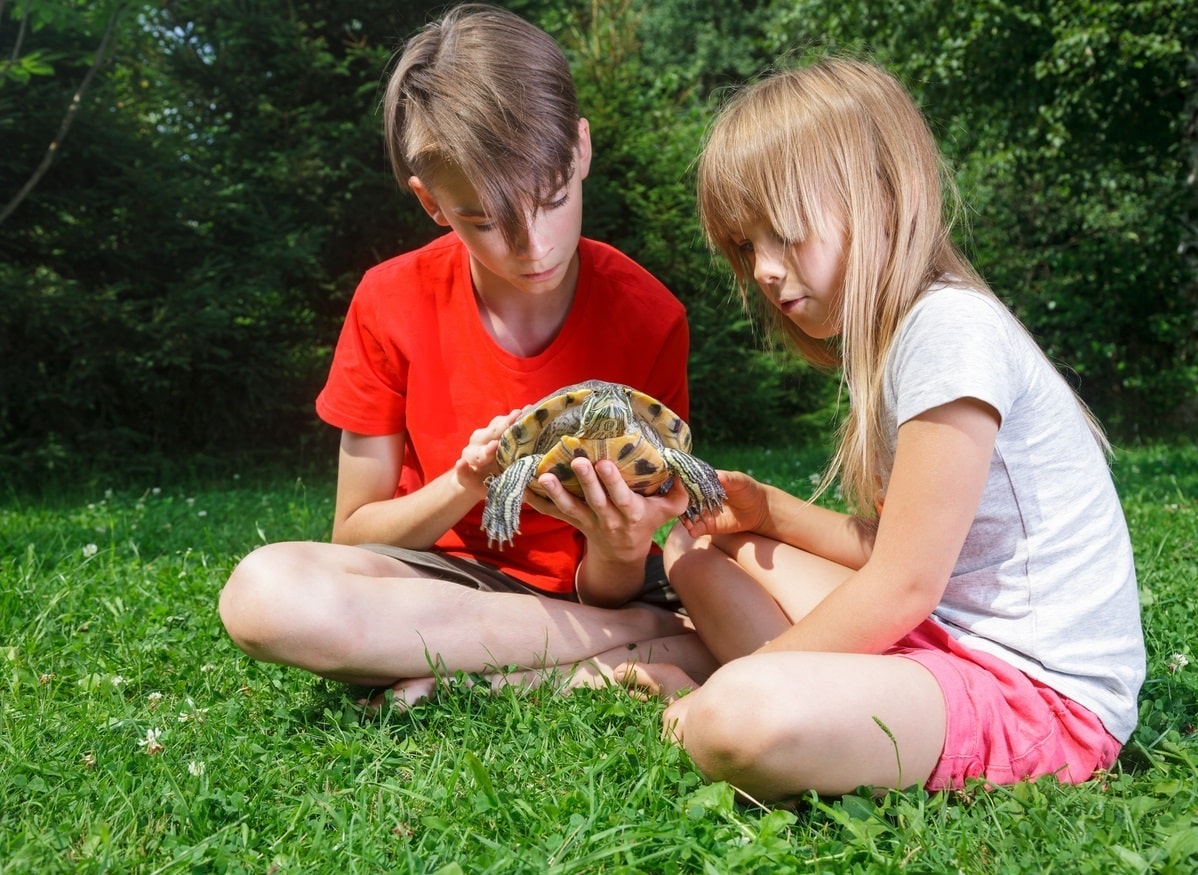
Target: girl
(977,614)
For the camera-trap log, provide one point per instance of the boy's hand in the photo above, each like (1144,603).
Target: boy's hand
(745,508)
(477,461)
(618,523)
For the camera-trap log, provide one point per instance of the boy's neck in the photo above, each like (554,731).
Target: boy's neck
(523,323)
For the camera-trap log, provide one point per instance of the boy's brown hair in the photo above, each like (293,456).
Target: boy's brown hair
(487,93)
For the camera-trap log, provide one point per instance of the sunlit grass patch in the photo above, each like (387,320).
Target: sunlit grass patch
(134,737)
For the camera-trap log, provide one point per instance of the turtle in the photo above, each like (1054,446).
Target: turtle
(598,420)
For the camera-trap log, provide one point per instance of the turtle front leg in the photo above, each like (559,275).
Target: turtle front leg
(505,497)
(700,480)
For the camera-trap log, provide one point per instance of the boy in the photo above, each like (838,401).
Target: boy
(440,350)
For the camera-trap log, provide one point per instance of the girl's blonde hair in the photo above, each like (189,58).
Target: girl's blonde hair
(839,141)
(486,93)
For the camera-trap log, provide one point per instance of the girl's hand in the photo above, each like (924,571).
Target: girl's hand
(745,509)
(477,462)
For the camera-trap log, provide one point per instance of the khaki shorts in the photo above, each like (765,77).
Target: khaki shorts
(656,590)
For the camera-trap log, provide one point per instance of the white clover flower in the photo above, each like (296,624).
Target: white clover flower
(207,667)
(90,550)
(151,743)
(1177,662)
(117,680)
(195,768)
(155,699)
(197,715)
(157,490)
(202,513)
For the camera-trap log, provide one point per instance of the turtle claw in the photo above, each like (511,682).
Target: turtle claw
(505,496)
(701,482)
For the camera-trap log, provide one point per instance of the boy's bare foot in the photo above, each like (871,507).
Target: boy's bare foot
(661,679)
(403,694)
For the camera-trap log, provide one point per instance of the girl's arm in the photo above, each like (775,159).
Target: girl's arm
(941,464)
(766,510)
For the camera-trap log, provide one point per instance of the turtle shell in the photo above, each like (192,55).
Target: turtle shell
(553,429)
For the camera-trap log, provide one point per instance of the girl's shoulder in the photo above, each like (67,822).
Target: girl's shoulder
(949,301)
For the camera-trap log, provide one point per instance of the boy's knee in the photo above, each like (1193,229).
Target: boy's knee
(247,602)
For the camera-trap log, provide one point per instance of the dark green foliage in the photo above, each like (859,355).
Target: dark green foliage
(176,281)
(1071,125)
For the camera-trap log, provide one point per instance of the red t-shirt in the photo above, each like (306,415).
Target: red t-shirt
(414,357)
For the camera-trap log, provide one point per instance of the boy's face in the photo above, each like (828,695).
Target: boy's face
(545,259)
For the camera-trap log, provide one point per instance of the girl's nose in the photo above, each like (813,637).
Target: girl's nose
(768,268)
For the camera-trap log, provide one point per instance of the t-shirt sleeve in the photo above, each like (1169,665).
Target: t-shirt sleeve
(366,387)
(955,344)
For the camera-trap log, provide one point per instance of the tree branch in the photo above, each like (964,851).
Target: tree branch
(68,118)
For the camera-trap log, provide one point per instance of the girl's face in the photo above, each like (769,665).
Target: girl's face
(545,259)
(803,280)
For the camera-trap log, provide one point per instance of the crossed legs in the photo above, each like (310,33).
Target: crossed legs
(778,724)
(356,616)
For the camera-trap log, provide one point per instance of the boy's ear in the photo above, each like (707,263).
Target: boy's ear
(427,200)
(584,148)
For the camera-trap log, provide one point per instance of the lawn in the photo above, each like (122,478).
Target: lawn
(135,738)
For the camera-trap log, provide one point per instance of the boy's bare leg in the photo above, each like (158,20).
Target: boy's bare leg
(601,670)
(360,617)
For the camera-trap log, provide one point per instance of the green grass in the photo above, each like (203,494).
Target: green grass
(135,738)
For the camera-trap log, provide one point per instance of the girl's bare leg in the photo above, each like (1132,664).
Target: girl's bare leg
(744,590)
(778,724)
(360,617)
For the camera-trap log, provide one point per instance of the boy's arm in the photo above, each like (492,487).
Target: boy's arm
(367,510)
(618,525)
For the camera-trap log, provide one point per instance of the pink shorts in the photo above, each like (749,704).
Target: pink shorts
(1001,724)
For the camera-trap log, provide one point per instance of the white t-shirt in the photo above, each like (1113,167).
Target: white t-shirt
(1045,579)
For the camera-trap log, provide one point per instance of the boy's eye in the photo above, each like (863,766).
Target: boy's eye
(557,204)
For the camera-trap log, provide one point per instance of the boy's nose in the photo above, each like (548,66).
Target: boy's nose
(536,241)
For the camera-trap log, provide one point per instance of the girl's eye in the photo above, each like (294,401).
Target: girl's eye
(745,247)
(557,204)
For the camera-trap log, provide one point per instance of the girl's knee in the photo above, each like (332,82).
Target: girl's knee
(678,541)
(730,723)
(683,555)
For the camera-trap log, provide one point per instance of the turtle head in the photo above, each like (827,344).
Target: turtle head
(605,413)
